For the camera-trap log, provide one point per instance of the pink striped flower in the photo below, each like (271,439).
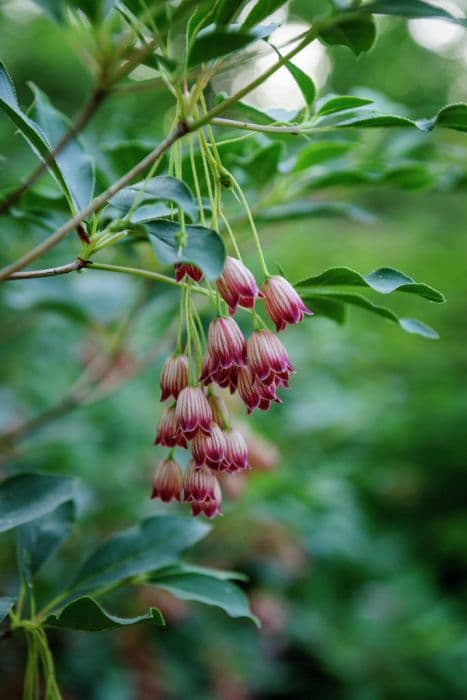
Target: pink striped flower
(174,376)
(209,449)
(282,303)
(226,378)
(202,490)
(236,452)
(168,481)
(237,286)
(226,344)
(168,430)
(268,359)
(186,270)
(193,412)
(255,393)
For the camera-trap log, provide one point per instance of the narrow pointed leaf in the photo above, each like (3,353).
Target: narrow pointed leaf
(28,496)
(340,104)
(384,280)
(320,152)
(88,615)
(261,10)
(213,42)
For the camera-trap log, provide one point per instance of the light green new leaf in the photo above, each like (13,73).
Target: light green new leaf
(330,105)
(88,615)
(203,247)
(206,589)
(28,496)
(6,603)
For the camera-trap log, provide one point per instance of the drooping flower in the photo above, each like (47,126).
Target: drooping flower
(202,490)
(193,412)
(226,378)
(226,344)
(168,481)
(237,286)
(174,376)
(255,393)
(168,430)
(236,452)
(268,358)
(282,303)
(185,269)
(209,449)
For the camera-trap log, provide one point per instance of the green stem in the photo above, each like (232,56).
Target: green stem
(194,172)
(251,220)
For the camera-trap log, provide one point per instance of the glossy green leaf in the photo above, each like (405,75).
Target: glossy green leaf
(38,539)
(75,165)
(363,117)
(88,615)
(156,543)
(227,9)
(340,104)
(353,299)
(452,117)
(218,41)
(358,34)
(143,195)
(6,603)
(221,574)
(384,280)
(206,589)
(320,152)
(302,80)
(306,209)
(261,10)
(411,9)
(324,306)
(203,247)
(28,496)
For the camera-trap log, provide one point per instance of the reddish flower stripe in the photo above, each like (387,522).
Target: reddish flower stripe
(168,481)
(193,412)
(174,376)
(237,286)
(282,303)
(168,430)
(185,269)
(209,449)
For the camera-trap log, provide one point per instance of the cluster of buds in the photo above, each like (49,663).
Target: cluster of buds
(255,368)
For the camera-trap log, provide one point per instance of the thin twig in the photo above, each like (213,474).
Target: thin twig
(77,264)
(251,126)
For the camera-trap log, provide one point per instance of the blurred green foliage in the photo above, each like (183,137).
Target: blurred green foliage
(356,544)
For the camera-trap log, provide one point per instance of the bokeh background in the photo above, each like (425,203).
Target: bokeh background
(354,532)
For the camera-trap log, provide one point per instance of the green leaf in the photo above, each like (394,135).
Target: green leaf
(213,42)
(158,189)
(71,169)
(88,615)
(227,9)
(340,104)
(204,247)
(324,306)
(156,543)
(306,209)
(206,589)
(410,176)
(411,9)
(94,9)
(320,152)
(263,164)
(452,117)
(6,603)
(363,117)
(261,10)
(409,325)
(75,165)
(358,34)
(303,81)
(384,280)
(221,574)
(28,496)
(38,539)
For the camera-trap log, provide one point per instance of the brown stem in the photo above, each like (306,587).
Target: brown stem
(77,264)
(179,131)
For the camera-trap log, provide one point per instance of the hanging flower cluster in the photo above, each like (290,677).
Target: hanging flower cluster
(255,369)
(195,417)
